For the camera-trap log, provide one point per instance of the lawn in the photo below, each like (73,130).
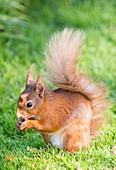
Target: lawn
(25,27)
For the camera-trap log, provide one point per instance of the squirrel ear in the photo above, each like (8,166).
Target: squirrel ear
(39,86)
(29,79)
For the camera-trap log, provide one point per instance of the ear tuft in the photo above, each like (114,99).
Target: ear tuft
(30,79)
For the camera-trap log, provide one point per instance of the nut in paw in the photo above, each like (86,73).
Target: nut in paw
(20,121)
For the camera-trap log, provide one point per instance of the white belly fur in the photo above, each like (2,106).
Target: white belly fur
(56,139)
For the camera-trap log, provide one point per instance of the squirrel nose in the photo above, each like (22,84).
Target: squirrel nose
(19,115)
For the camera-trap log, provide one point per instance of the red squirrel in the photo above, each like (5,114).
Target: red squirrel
(70,116)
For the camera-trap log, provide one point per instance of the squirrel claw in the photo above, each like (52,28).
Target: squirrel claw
(25,125)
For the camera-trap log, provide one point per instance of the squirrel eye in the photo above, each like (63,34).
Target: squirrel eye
(29,104)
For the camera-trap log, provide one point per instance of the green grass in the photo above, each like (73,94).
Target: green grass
(25,26)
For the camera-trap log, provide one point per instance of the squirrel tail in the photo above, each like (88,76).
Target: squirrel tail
(62,56)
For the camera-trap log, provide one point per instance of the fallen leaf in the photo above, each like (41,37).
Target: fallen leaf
(114,150)
(114,147)
(58,156)
(32,149)
(79,168)
(10,158)
(90,160)
(46,168)
(35,149)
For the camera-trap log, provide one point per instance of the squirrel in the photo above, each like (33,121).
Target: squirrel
(68,117)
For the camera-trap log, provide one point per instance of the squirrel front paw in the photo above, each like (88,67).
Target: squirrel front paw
(24,124)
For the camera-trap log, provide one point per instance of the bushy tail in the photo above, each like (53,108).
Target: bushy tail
(62,55)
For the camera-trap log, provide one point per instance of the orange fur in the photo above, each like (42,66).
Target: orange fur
(71,115)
